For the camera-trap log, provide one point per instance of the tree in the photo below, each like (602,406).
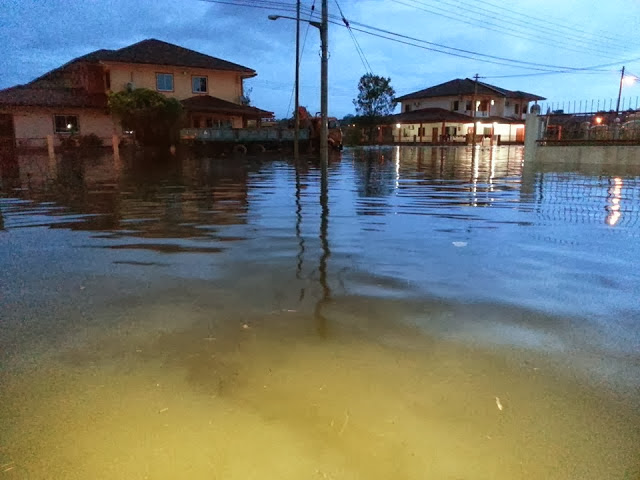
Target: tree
(152,116)
(375,99)
(245,98)
(375,96)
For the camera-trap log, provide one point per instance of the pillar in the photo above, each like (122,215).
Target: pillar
(532,133)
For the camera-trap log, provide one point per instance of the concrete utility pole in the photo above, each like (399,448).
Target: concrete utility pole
(324,87)
(296,131)
(620,91)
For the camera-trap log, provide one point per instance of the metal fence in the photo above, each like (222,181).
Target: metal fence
(590,105)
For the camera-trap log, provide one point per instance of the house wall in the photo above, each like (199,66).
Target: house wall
(32,125)
(224,85)
(410,133)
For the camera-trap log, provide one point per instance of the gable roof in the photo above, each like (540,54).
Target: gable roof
(152,52)
(207,103)
(467,86)
(157,52)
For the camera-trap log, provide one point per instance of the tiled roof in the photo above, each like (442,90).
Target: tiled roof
(207,103)
(428,115)
(152,52)
(467,86)
(25,96)
(157,52)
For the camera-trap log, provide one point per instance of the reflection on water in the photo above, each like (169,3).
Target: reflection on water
(447,312)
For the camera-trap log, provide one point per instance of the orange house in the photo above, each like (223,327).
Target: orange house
(73,97)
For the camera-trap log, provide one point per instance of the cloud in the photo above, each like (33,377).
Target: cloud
(39,35)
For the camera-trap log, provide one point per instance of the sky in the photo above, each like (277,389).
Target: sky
(557,35)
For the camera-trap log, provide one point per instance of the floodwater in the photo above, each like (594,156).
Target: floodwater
(443,313)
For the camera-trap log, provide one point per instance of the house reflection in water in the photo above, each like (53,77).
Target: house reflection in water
(146,198)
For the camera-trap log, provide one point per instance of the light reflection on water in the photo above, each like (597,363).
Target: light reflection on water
(210,318)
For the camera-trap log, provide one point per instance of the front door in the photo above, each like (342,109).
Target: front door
(434,135)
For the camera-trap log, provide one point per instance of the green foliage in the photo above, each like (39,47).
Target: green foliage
(375,97)
(153,117)
(89,141)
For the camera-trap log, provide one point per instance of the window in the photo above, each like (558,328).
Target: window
(516,108)
(66,123)
(199,84)
(455,105)
(525,108)
(407,108)
(164,82)
(468,106)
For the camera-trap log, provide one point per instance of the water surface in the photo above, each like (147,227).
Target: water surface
(446,313)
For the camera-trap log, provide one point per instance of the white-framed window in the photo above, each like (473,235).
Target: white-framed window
(199,84)
(164,82)
(66,124)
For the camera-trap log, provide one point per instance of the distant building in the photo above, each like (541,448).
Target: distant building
(461,110)
(73,97)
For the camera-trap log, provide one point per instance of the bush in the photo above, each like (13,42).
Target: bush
(89,141)
(153,117)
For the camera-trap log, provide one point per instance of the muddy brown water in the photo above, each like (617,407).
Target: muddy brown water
(447,314)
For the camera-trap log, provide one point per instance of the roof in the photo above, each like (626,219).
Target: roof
(428,115)
(467,86)
(152,52)
(207,103)
(157,52)
(26,96)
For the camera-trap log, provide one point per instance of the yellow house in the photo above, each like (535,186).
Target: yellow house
(73,97)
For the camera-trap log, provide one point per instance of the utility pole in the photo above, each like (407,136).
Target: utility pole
(475,94)
(619,92)
(473,108)
(324,88)
(296,131)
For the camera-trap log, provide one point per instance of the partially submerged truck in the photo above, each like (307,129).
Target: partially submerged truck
(260,139)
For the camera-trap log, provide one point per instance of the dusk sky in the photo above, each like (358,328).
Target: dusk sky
(39,35)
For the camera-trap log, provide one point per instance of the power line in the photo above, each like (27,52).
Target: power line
(572,27)
(572,35)
(500,29)
(363,58)
(437,47)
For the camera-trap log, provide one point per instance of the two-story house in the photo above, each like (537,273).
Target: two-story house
(73,98)
(461,109)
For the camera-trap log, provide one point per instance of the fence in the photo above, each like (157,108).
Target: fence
(590,105)
(593,127)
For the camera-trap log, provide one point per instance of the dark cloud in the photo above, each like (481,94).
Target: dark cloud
(39,35)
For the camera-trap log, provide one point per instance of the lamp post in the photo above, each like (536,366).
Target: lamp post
(324,81)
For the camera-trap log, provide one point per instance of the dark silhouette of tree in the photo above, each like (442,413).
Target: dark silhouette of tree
(153,117)
(375,100)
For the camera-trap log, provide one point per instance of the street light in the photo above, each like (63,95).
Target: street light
(324,80)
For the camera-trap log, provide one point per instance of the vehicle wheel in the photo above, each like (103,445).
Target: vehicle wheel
(258,148)
(240,150)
